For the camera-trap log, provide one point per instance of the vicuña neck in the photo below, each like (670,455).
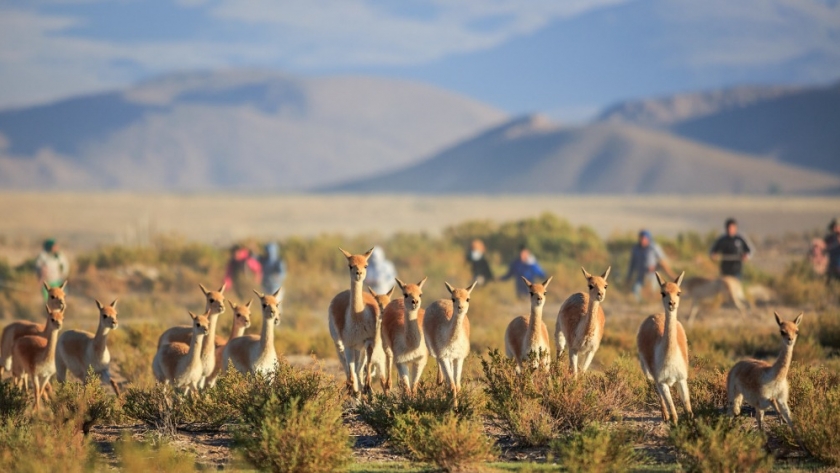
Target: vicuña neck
(671,329)
(357,301)
(236,331)
(99,340)
(782,364)
(195,352)
(52,341)
(536,318)
(208,348)
(267,338)
(591,310)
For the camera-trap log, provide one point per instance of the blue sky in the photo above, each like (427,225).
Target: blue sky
(566,58)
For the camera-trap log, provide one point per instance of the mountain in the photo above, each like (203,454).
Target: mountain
(530,155)
(238,129)
(799,126)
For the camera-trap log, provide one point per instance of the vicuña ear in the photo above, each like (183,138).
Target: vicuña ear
(114,304)
(527,282)
(193,316)
(258,293)
(659,279)
(278,294)
(98,304)
(371,291)
(222,289)
(606,273)
(472,286)
(63,285)
(391,292)
(368,253)
(680,279)
(778,319)
(585,273)
(344,252)
(547,282)
(46,286)
(248,304)
(420,284)
(798,319)
(231,304)
(203,289)
(400,284)
(449,287)
(48,308)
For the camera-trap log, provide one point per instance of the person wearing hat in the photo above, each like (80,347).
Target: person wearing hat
(645,257)
(832,249)
(731,249)
(51,266)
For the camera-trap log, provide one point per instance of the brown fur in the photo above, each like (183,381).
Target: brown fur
(341,302)
(241,318)
(393,321)
(700,290)
(578,330)
(214,303)
(33,356)
(520,340)
(399,338)
(56,300)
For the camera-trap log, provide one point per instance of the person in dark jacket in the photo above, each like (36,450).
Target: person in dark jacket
(645,257)
(731,249)
(832,249)
(524,266)
(478,262)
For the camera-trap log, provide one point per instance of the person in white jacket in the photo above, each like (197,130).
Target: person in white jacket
(380,272)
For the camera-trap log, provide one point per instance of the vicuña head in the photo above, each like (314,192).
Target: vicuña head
(215,299)
(460,297)
(789,330)
(670,291)
(271,305)
(108,314)
(358,264)
(412,293)
(382,300)
(55,317)
(597,284)
(241,314)
(201,323)
(56,298)
(538,291)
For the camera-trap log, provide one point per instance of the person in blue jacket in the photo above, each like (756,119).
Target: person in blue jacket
(524,266)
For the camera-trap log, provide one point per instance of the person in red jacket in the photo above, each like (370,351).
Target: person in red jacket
(243,272)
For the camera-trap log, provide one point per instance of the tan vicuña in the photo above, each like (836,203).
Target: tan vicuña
(33,356)
(525,337)
(56,300)
(402,332)
(252,353)
(580,322)
(241,322)
(447,331)
(79,350)
(180,364)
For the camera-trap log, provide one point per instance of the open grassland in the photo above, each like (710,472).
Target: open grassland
(606,420)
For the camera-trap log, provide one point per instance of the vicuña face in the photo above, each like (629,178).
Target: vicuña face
(108,314)
(382,300)
(597,284)
(215,299)
(671,296)
(202,325)
(241,314)
(460,298)
(412,294)
(538,292)
(271,305)
(55,318)
(358,265)
(56,298)
(788,330)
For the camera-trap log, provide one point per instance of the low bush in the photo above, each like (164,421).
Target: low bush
(829,332)
(295,436)
(707,387)
(597,448)
(450,443)
(13,402)
(83,405)
(40,446)
(381,410)
(815,407)
(721,444)
(158,406)
(522,402)
(154,454)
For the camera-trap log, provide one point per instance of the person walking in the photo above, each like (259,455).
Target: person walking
(832,249)
(731,249)
(51,266)
(243,271)
(525,265)
(645,257)
(273,268)
(477,260)
(380,272)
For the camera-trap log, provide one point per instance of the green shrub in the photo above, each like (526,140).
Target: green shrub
(522,402)
(38,447)
(720,444)
(158,406)
(450,443)
(13,401)
(815,407)
(83,405)
(597,448)
(155,454)
(293,436)
(829,333)
(381,410)
(707,387)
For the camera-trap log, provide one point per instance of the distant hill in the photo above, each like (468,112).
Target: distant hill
(799,126)
(530,155)
(252,130)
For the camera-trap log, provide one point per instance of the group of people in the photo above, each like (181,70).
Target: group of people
(825,253)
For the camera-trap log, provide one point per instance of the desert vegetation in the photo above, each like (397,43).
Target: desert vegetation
(299,416)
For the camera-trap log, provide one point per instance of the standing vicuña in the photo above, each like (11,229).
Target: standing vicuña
(375,355)
(700,290)
(56,300)
(580,323)
(447,331)
(402,331)
(252,353)
(352,320)
(77,350)
(762,384)
(663,350)
(241,321)
(526,336)
(214,307)
(33,356)
(180,364)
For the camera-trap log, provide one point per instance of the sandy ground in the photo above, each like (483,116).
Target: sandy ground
(86,219)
